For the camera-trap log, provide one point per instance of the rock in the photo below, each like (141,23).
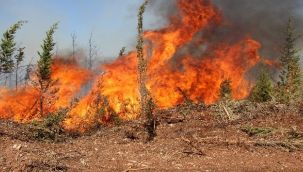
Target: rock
(17,146)
(83,162)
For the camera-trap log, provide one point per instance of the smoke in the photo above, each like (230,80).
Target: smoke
(264,21)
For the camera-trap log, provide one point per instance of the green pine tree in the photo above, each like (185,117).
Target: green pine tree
(225,90)
(289,86)
(45,57)
(8,47)
(44,66)
(263,90)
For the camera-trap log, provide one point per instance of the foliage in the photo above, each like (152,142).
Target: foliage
(44,69)
(142,62)
(45,57)
(289,86)
(147,105)
(225,90)
(20,56)
(8,47)
(50,128)
(256,131)
(263,90)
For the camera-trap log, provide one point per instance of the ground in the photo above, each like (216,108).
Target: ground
(249,138)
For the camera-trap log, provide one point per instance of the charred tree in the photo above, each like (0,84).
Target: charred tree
(122,51)
(18,58)
(74,37)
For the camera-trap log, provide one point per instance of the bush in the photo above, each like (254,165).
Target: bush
(50,128)
(225,90)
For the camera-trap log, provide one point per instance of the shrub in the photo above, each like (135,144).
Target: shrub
(50,128)
(263,90)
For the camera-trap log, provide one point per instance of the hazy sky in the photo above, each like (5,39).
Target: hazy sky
(113,23)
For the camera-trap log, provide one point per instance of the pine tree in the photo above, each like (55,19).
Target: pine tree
(263,90)
(8,47)
(18,58)
(289,86)
(225,90)
(44,66)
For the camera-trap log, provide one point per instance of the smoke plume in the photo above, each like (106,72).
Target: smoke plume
(264,21)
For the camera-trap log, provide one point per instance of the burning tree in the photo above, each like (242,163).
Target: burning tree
(44,68)
(289,86)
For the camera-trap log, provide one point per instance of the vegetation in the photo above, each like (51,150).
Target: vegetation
(263,90)
(146,103)
(290,84)
(8,47)
(44,67)
(19,58)
(225,90)
(257,131)
(50,128)
(142,62)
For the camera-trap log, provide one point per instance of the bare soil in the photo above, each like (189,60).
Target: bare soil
(188,139)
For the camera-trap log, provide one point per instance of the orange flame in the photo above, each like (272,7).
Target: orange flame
(21,105)
(200,77)
(116,90)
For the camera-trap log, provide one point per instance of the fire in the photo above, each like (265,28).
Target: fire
(199,75)
(22,105)
(180,57)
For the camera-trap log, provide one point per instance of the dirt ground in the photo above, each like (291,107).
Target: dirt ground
(197,139)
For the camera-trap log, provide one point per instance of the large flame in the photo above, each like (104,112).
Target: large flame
(22,105)
(199,76)
(172,66)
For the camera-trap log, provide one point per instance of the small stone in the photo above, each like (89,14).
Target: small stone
(83,162)
(17,146)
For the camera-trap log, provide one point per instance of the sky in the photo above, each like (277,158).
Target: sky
(112,23)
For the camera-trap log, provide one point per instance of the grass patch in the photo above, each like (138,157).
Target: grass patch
(257,131)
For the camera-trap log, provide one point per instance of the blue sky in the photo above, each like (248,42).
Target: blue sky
(113,23)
